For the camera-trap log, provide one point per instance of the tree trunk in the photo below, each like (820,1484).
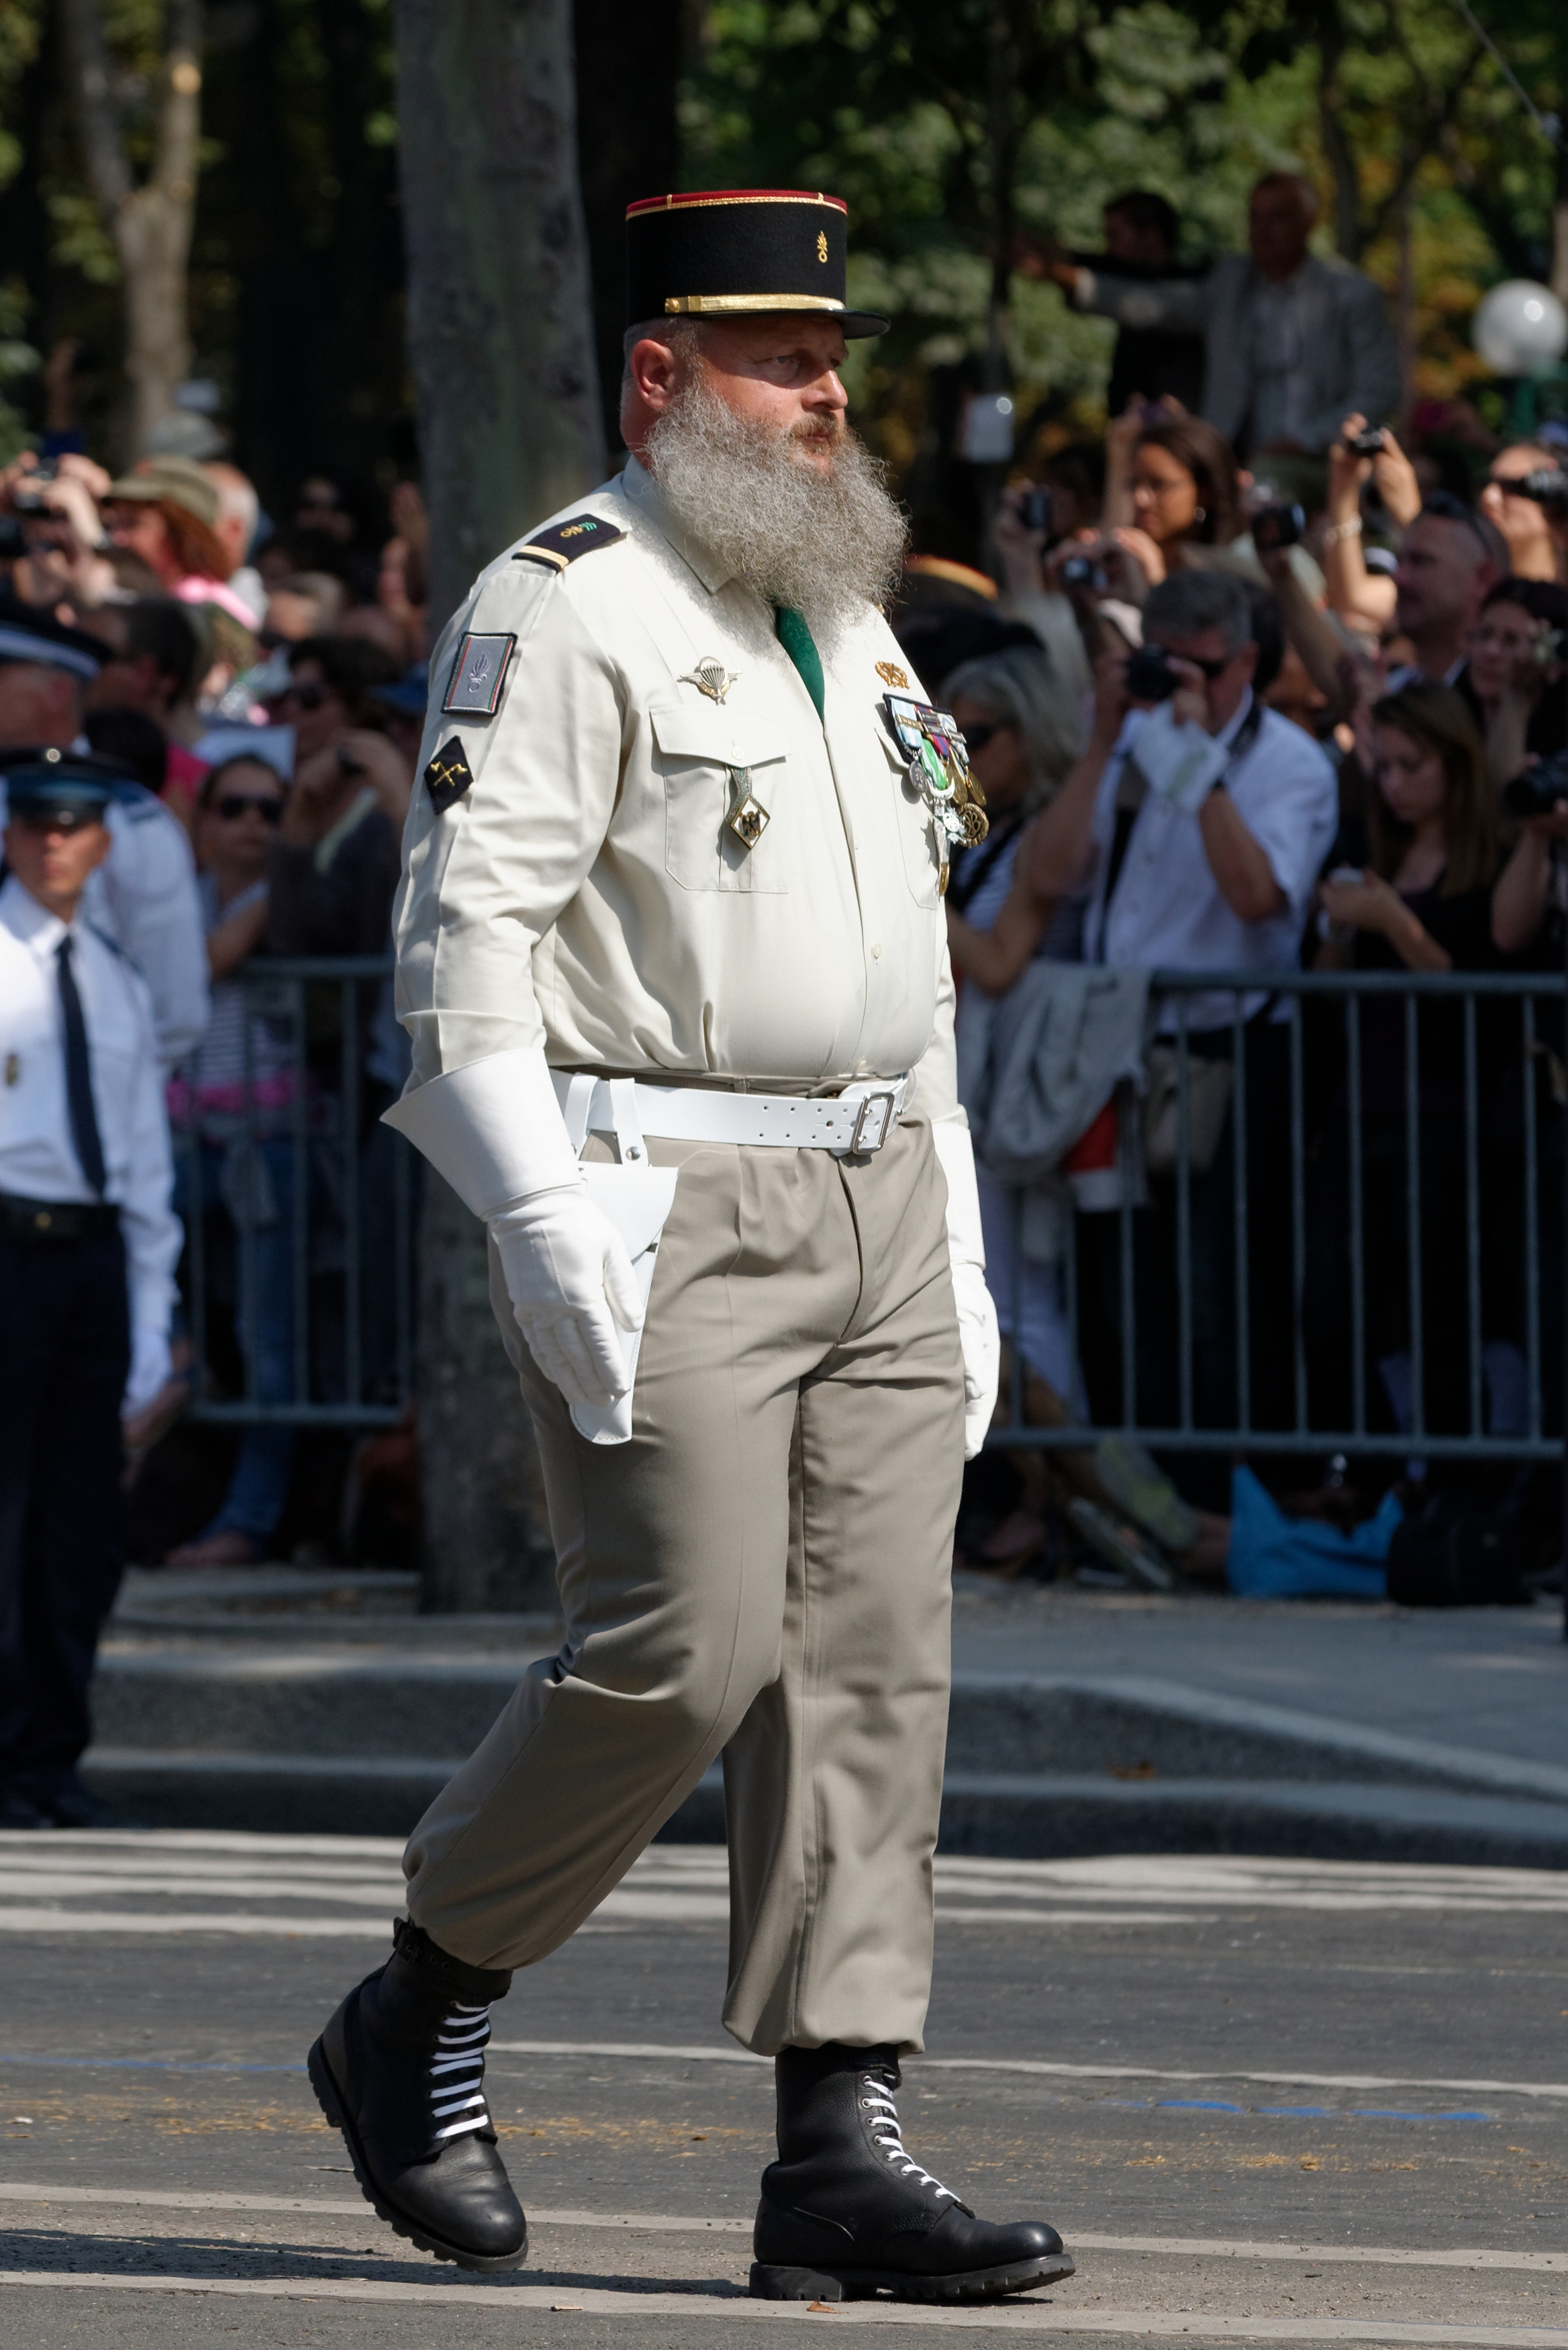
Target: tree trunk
(486,1541)
(500,338)
(150,224)
(500,333)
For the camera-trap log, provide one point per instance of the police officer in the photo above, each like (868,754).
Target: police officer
(88,1249)
(143,894)
(673,961)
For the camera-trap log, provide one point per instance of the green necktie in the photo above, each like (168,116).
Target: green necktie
(797,641)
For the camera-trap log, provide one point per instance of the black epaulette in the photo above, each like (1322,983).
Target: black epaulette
(116,950)
(565,541)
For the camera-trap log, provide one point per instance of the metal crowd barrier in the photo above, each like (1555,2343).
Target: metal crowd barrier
(304,1191)
(340,1235)
(1479,1171)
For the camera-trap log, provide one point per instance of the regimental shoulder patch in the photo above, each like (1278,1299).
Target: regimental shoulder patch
(448,776)
(478,675)
(565,541)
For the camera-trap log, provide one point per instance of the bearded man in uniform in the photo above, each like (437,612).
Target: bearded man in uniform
(672,958)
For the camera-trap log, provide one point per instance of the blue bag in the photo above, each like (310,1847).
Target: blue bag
(1275,1557)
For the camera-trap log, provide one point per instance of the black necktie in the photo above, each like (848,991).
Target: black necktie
(78,1074)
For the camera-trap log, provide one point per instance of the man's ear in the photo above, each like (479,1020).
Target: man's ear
(655,373)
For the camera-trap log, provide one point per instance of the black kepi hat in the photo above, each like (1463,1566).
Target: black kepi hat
(730,253)
(45,784)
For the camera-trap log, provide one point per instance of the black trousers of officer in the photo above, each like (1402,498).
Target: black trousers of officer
(65,1351)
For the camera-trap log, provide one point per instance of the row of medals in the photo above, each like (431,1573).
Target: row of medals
(938,771)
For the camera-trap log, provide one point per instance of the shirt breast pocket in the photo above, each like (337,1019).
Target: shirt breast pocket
(712,760)
(917,832)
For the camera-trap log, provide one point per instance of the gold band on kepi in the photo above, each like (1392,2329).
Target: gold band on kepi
(729,253)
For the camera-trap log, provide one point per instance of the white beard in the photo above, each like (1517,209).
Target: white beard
(827,542)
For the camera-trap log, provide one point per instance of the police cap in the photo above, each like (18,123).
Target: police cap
(61,789)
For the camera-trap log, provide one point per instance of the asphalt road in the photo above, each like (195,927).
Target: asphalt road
(1271,2101)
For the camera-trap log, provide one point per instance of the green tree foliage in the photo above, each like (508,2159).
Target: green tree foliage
(956,127)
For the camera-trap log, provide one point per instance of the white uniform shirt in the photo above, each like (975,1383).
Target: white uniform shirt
(585,892)
(1168,910)
(143,896)
(38,1156)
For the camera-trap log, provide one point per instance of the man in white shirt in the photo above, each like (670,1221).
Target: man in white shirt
(1200,824)
(88,1249)
(143,894)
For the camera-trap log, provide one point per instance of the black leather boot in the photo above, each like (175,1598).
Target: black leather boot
(399,2070)
(847,2213)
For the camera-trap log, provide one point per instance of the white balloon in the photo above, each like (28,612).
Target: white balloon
(1520,327)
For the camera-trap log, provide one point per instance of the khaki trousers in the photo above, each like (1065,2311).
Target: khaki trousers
(763,1571)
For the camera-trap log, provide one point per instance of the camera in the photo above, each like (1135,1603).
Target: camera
(1080,571)
(1274,527)
(1548,485)
(1149,675)
(1369,444)
(1035,510)
(1539,789)
(24,498)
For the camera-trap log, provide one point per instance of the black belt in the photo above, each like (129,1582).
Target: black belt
(43,1221)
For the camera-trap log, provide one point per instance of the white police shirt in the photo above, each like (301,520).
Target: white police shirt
(1167,911)
(143,896)
(38,1156)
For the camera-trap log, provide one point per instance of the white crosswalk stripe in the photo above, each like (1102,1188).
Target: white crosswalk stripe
(178,1880)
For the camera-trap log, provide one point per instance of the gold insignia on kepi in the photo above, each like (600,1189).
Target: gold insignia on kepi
(448,776)
(710,677)
(821,246)
(891,674)
(478,675)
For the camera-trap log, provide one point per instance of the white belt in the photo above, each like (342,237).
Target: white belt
(860,1120)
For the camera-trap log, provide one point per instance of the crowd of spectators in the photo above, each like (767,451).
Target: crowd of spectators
(263,685)
(1255,683)
(1266,686)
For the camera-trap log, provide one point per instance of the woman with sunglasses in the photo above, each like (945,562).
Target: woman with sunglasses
(231,1110)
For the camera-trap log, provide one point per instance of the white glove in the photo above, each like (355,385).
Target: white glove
(570,1282)
(978,1335)
(981,1343)
(150,1368)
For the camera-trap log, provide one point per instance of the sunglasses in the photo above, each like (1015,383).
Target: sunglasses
(977,737)
(307,696)
(232,805)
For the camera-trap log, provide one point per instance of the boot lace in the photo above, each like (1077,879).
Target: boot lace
(457,2073)
(887,2137)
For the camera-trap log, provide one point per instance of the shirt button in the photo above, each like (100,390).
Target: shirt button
(876,954)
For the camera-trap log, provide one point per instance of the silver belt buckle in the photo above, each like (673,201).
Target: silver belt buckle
(872,1122)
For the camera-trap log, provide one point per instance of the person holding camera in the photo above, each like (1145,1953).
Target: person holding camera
(1526,495)
(1200,821)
